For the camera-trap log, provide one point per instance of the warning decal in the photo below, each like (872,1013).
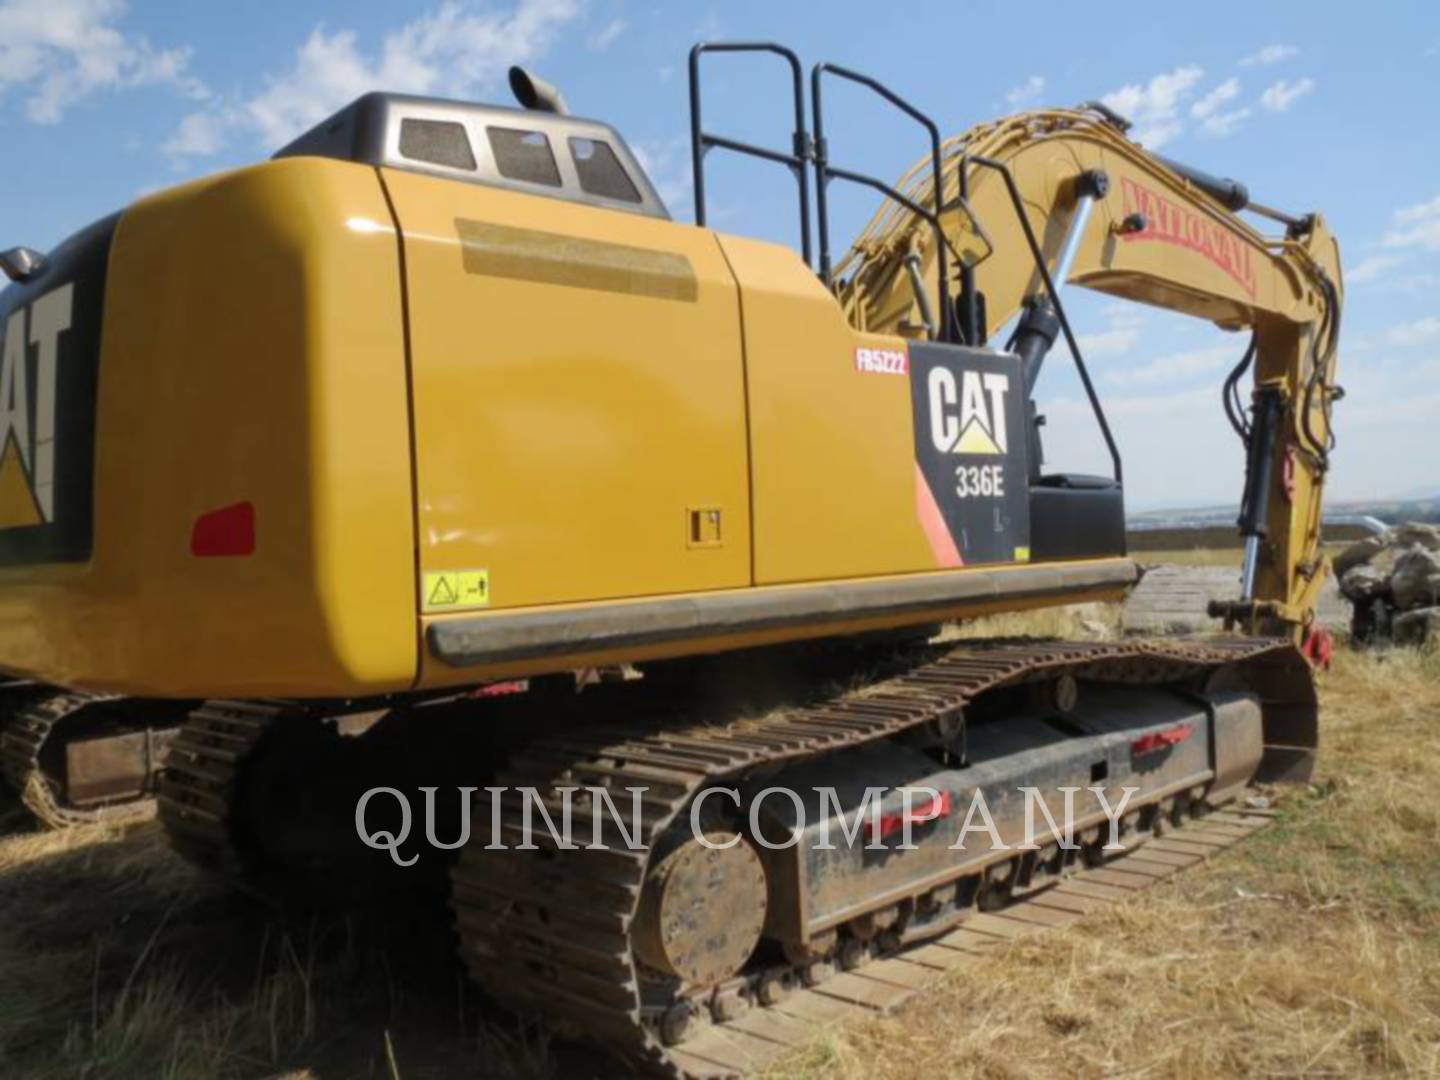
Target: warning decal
(456,590)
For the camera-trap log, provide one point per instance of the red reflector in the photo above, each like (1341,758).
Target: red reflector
(501,689)
(937,807)
(226,532)
(1159,740)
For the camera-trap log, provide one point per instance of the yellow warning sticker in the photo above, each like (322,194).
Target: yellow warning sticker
(1022,554)
(455,590)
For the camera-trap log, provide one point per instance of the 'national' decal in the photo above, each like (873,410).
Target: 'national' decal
(1171,222)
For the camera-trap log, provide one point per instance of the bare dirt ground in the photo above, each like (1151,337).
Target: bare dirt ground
(1313,949)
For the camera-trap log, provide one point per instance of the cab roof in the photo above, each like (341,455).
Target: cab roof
(540,153)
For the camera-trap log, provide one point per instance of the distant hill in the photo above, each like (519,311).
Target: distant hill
(1390,511)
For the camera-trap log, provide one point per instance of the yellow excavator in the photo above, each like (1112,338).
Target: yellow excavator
(434,452)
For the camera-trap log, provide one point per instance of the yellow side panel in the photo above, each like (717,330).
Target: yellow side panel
(832,441)
(579,400)
(253,351)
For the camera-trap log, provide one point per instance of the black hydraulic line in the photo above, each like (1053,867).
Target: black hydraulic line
(1054,298)
(1319,362)
(797,160)
(1230,395)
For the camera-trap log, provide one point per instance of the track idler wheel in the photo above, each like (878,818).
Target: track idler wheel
(702,909)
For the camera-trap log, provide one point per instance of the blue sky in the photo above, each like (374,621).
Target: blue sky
(101,101)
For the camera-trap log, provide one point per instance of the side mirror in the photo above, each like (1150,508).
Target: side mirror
(22,264)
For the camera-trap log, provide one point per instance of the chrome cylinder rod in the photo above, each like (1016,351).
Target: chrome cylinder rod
(1252,561)
(1081,218)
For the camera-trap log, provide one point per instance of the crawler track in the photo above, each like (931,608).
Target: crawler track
(763,1036)
(550,932)
(198,786)
(23,742)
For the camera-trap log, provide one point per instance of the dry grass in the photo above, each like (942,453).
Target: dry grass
(1312,949)
(1200,556)
(1087,622)
(1191,557)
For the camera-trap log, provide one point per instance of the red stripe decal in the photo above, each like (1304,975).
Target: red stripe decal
(942,544)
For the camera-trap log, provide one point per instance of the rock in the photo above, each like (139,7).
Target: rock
(1414,534)
(1365,581)
(1417,627)
(1416,579)
(1358,553)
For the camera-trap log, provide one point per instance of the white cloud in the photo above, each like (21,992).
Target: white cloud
(1115,341)
(1227,123)
(1227,91)
(1026,92)
(1281,95)
(1270,54)
(454,50)
(1154,107)
(199,135)
(667,163)
(1208,110)
(57,53)
(607,35)
(1414,333)
(1176,367)
(1371,268)
(1416,226)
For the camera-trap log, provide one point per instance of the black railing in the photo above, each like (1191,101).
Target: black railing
(825,172)
(797,160)
(1038,256)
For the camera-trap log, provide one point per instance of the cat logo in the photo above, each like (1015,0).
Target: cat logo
(968,418)
(27,416)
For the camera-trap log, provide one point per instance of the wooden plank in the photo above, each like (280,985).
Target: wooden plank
(1221,828)
(991,924)
(1065,901)
(1153,854)
(1136,864)
(1248,819)
(1118,879)
(1093,889)
(968,941)
(1206,836)
(776,1027)
(938,957)
(732,1049)
(1039,915)
(692,1065)
(852,986)
(817,1008)
(1182,847)
(899,972)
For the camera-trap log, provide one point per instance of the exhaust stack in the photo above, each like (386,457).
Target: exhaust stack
(533,92)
